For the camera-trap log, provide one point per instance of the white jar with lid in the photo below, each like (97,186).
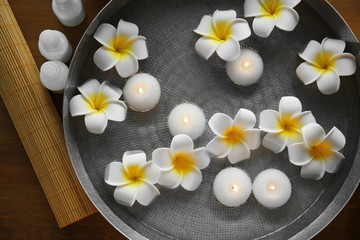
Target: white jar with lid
(54,46)
(69,12)
(53,75)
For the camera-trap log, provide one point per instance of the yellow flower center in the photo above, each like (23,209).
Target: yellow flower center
(183,163)
(270,6)
(234,135)
(320,151)
(222,31)
(98,101)
(134,174)
(290,127)
(323,61)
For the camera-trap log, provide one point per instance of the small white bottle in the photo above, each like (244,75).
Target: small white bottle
(69,12)
(53,75)
(54,46)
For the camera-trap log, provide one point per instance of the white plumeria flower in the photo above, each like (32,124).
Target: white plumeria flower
(319,152)
(181,163)
(122,48)
(234,138)
(221,33)
(284,127)
(271,13)
(134,179)
(99,103)
(324,64)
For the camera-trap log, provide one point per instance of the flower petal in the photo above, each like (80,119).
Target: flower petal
(275,142)
(229,49)
(308,73)
(170,179)
(134,158)
(127,28)
(161,157)
(79,106)
(313,170)
(218,147)
(336,139)
(269,121)
(192,180)
(290,3)
(201,157)
(335,46)
(205,27)
(146,193)
(245,119)
(253,8)
(220,17)
(105,34)
(329,82)
(116,110)
(345,64)
(110,91)
(312,50)
(181,143)
(239,153)
(263,25)
(205,47)
(105,59)
(299,154)
(252,138)
(126,194)
(290,106)
(306,118)
(114,174)
(89,90)
(96,122)
(127,65)
(219,123)
(240,29)
(139,48)
(332,164)
(313,134)
(151,172)
(286,18)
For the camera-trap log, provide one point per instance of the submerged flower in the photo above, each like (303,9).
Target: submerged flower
(134,179)
(271,13)
(324,64)
(284,127)
(221,33)
(99,103)
(122,48)
(235,138)
(319,152)
(181,163)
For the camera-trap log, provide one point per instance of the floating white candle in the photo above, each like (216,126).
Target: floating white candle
(142,92)
(272,188)
(246,69)
(187,119)
(232,187)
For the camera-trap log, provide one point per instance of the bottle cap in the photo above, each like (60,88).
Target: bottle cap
(50,70)
(48,39)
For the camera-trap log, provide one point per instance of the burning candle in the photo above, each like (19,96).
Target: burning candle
(246,69)
(272,188)
(187,119)
(232,187)
(142,92)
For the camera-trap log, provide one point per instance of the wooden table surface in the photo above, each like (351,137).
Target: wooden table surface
(24,210)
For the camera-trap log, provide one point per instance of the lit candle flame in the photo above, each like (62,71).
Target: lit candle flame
(186,120)
(140,91)
(245,64)
(272,187)
(234,188)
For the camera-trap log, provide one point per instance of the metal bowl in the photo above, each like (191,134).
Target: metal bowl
(184,76)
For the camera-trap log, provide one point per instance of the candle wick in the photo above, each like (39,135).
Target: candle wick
(141,91)
(272,187)
(234,188)
(245,65)
(186,120)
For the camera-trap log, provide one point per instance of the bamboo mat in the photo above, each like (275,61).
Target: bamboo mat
(38,124)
